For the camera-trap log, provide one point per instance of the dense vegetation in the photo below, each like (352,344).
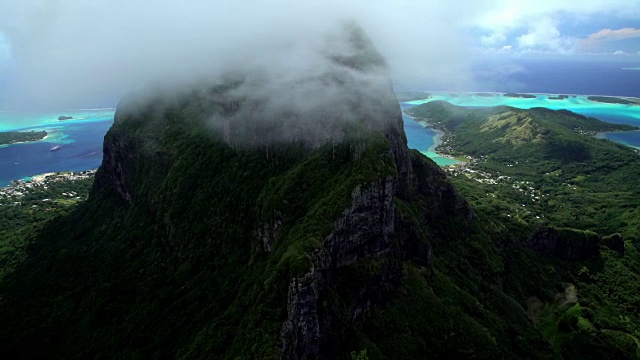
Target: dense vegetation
(185,263)
(194,244)
(182,273)
(546,161)
(12,137)
(23,215)
(538,166)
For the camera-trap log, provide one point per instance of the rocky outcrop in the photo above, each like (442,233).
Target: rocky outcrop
(116,153)
(564,243)
(364,231)
(366,234)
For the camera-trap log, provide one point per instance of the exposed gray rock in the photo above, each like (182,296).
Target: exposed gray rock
(366,233)
(363,231)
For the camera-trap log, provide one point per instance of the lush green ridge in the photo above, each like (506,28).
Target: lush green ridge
(12,137)
(540,166)
(548,161)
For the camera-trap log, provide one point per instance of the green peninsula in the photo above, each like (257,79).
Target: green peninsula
(13,137)
(538,168)
(614,100)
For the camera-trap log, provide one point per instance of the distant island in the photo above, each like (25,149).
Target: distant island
(413,95)
(559,97)
(62,118)
(612,100)
(14,137)
(516,95)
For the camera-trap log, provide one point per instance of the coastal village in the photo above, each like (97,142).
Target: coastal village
(19,189)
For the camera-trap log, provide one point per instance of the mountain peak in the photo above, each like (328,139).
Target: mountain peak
(310,93)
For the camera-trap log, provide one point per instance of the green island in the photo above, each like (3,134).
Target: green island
(614,100)
(13,137)
(237,244)
(559,97)
(524,96)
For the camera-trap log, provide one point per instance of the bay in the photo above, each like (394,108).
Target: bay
(80,142)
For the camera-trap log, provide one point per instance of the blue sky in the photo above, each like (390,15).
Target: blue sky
(51,50)
(559,28)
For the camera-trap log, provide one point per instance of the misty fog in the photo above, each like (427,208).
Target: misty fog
(81,53)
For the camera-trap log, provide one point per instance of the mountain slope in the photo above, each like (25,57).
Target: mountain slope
(225,222)
(543,193)
(562,172)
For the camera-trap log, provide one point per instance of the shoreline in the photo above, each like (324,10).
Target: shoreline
(437,140)
(443,132)
(41,178)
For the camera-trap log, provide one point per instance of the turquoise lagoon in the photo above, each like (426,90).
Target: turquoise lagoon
(614,113)
(26,120)
(617,113)
(79,140)
(424,139)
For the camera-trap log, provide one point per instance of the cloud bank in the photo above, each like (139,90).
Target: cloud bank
(70,52)
(540,27)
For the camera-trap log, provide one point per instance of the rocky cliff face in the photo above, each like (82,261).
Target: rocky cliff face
(367,232)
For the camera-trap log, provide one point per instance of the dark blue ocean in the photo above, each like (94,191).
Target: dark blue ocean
(559,76)
(80,149)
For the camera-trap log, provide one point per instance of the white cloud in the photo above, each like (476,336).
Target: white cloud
(604,36)
(619,52)
(494,39)
(541,34)
(534,24)
(68,48)
(511,14)
(73,48)
(613,35)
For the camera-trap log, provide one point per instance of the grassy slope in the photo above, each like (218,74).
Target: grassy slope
(588,184)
